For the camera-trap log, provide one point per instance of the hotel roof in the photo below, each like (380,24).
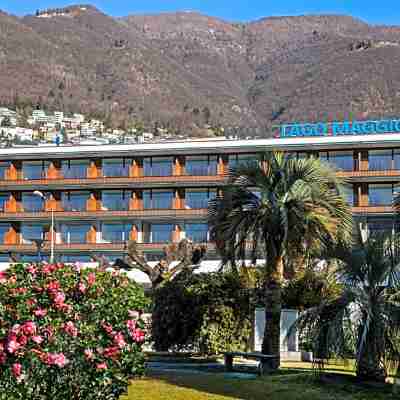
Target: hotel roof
(203,147)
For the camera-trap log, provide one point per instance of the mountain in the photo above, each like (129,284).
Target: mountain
(186,70)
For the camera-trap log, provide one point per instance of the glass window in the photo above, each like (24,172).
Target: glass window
(73,258)
(198,198)
(115,200)
(75,201)
(396,160)
(74,233)
(115,167)
(380,225)
(157,166)
(161,233)
(116,233)
(197,232)
(4,228)
(31,231)
(380,160)
(3,199)
(33,258)
(75,169)
(32,202)
(343,160)
(242,159)
(201,165)
(32,170)
(157,199)
(380,195)
(3,168)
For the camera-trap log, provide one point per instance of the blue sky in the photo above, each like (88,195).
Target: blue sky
(373,11)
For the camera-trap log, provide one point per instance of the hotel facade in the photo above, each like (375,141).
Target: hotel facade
(103,196)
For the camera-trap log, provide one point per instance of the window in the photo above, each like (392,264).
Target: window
(3,168)
(73,258)
(32,202)
(115,200)
(31,231)
(201,165)
(75,201)
(4,228)
(74,233)
(115,167)
(116,233)
(197,232)
(32,170)
(380,160)
(160,233)
(157,166)
(380,195)
(157,199)
(75,169)
(396,160)
(3,199)
(198,198)
(242,159)
(33,258)
(343,160)
(380,225)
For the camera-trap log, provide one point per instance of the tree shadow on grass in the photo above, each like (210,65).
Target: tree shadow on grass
(282,385)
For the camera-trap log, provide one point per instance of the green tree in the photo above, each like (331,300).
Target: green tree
(365,319)
(283,206)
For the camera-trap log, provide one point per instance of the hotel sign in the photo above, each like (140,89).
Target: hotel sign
(340,128)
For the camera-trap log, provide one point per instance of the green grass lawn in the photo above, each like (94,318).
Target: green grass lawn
(294,382)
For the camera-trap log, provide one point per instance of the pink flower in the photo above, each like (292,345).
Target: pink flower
(3,277)
(13,345)
(29,328)
(82,287)
(32,269)
(40,312)
(119,340)
(47,269)
(131,325)
(17,369)
(138,336)
(12,280)
(88,354)
(59,298)
(37,339)
(48,332)
(57,359)
(53,286)
(31,302)
(101,366)
(3,358)
(91,278)
(71,329)
(111,352)
(23,340)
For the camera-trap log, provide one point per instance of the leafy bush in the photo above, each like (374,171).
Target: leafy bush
(210,313)
(68,333)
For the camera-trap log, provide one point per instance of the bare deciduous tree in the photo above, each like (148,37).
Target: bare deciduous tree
(177,258)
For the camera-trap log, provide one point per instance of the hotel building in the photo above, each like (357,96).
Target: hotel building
(102,196)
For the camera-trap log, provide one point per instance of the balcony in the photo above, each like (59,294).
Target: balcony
(365,176)
(160,215)
(111,182)
(373,210)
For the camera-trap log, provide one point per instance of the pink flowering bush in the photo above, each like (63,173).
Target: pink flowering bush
(68,333)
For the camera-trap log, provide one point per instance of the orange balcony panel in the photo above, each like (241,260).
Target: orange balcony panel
(366,174)
(373,210)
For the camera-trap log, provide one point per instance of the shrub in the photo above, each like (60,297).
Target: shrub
(210,313)
(68,333)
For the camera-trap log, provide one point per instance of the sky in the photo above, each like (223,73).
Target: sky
(372,11)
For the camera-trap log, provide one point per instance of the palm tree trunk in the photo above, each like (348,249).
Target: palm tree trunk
(273,305)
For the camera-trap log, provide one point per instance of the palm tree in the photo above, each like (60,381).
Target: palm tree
(365,319)
(278,207)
